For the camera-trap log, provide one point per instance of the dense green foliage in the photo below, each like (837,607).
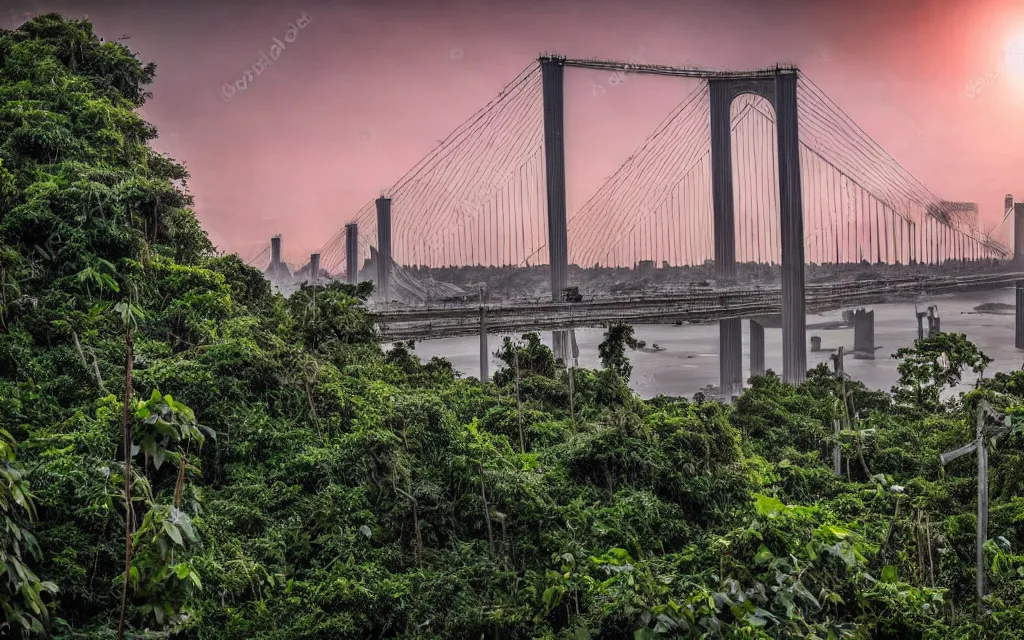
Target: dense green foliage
(293,480)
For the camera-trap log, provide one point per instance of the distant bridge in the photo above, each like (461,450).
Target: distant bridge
(456,321)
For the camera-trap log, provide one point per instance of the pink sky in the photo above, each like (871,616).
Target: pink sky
(369,88)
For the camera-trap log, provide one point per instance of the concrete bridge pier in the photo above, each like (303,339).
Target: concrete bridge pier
(352,253)
(485,356)
(920,324)
(864,334)
(730,355)
(1018,261)
(560,346)
(383,248)
(756,348)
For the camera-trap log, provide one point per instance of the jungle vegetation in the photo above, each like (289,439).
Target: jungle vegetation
(288,478)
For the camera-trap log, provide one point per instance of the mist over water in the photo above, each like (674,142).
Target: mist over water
(690,359)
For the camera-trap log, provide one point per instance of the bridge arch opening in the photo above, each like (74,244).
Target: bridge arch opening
(755,176)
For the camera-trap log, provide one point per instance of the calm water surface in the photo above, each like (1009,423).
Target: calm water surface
(690,358)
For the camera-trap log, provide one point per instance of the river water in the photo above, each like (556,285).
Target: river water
(690,357)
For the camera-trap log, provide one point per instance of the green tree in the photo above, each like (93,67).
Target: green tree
(935,363)
(612,349)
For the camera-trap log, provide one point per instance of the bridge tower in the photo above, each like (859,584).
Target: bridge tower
(383,248)
(277,268)
(314,268)
(1018,263)
(275,253)
(780,90)
(552,75)
(352,253)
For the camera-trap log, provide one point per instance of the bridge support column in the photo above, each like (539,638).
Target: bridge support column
(384,248)
(352,253)
(756,349)
(794,317)
(864,335)
(730,358)
(485,356)
(730,349)
(1018,262)
(552,88)
(314,268)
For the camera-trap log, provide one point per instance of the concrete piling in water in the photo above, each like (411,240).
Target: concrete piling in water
(864,335)
(485,356)
(815,344)
(1018,263)
(869,329)
(858,331)
(756,349)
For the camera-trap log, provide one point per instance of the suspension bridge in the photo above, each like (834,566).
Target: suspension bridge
(753,167)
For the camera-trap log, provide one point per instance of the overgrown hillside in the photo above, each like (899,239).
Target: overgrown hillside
(291,480)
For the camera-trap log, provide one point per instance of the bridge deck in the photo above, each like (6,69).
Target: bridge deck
(422,323)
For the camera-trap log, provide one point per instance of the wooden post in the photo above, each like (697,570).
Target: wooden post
(837,450)
(837,361)
(572,396)
(984,431)
(572,376)
(982,449)
(485,356)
